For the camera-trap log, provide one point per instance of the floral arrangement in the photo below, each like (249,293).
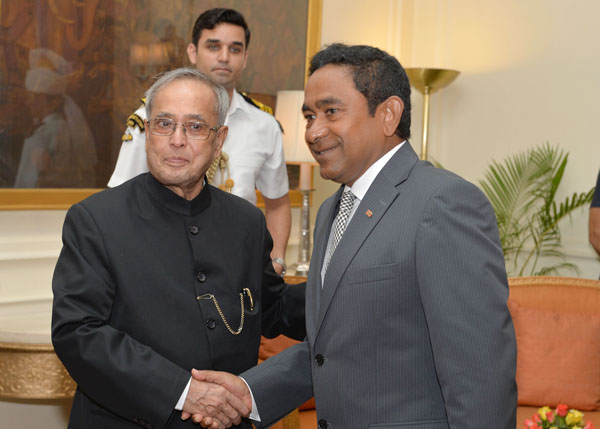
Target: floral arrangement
(561,418)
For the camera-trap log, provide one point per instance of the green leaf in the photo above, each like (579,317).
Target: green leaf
(522,190)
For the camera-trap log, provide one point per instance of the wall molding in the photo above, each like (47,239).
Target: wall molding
(30,247)
(25,306)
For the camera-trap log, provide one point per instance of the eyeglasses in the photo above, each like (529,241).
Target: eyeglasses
(192,129)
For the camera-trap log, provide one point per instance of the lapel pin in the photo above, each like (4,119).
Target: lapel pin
(369,213)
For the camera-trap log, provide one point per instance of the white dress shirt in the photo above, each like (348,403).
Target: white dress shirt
(359,189)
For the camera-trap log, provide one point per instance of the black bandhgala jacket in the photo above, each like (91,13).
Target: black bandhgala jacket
(132,313)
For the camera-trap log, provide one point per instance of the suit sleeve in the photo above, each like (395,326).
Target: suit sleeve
(108,365)
(281,383)
(464,290)
(282,304)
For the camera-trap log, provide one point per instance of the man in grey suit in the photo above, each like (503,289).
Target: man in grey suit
(406,316)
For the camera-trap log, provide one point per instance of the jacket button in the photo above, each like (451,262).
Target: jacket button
(323,424)
(201,277)
(319,359)
(194,229)
(211,324)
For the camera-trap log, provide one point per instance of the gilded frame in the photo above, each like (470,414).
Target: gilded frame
(63,198)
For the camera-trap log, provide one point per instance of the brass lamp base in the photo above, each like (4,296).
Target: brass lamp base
(301,269)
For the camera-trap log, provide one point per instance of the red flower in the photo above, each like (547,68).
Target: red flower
(530,424)
(550,416)
(589,425)
(562,410)
(534,422)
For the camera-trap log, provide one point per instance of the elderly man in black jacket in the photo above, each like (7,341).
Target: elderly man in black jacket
(166,273)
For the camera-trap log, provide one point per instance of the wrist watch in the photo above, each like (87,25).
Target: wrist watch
(281,262)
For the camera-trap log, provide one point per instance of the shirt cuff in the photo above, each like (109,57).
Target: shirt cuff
(179,405)
(254,413)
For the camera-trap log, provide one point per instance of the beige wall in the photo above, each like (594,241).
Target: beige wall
(29,245)
(528,72)
(528,75)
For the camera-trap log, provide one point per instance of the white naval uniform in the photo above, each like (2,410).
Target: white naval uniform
(253,143)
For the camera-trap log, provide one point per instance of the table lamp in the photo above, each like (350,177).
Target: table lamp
(288,112)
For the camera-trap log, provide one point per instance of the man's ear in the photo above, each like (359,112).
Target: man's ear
(245,58)
(192,51)
(146,135)
(390,112)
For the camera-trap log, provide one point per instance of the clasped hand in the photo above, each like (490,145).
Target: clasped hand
(216,400)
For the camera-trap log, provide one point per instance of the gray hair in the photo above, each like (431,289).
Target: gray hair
(222,104)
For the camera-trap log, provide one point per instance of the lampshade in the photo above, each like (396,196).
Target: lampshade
(288,112)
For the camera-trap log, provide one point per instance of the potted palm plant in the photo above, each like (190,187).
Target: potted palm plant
(522,190)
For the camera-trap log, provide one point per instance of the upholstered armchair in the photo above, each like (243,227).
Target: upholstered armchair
(557,323)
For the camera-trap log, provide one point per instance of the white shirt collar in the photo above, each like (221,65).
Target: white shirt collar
(363,183)
(360,188)
(238,102)
(234,104)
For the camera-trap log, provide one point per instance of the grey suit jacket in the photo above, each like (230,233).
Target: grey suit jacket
(410,328)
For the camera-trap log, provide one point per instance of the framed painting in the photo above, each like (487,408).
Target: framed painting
(103,55)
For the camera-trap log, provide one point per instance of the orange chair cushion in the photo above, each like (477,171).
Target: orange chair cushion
(564,294)
(558,357)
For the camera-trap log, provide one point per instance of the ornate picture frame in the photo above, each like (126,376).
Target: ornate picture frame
(63,198)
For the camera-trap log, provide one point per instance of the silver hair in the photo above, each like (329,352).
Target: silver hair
(222,104)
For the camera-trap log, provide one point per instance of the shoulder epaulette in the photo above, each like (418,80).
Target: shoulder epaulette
(260,106)
(135,120)
(257,103)
(143,101)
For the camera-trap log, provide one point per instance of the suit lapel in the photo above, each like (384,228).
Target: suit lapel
(321,236)
(382,192)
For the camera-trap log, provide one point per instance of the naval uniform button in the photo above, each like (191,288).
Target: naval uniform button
(194,229)
(201,277)
(319,359)
(322,424)
(211,324)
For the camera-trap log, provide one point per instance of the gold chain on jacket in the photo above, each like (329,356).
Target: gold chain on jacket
(218,307)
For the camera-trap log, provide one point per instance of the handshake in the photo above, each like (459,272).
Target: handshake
(216,400)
